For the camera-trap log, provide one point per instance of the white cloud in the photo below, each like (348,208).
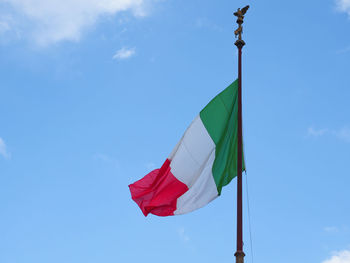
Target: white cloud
(183,235)
(343,50)
(51,21)
(336,229)
(107,159)
(4,24)
(150,166)
(339,257)
(343,6)
(3,150)
(206,24)
(124,53)
(331,229)
(316,132)
(342,133)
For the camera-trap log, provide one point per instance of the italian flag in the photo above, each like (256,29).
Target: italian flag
(202,162)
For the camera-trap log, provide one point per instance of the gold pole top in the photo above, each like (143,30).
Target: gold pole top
(238,32)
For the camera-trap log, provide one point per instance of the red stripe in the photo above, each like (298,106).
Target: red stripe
(158,191)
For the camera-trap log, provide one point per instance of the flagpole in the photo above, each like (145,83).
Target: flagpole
(239,43)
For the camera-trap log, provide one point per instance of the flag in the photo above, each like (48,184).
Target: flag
(202,162)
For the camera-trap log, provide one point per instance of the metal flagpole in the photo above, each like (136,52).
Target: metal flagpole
(239,43)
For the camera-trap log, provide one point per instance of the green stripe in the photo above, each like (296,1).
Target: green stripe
(220,120)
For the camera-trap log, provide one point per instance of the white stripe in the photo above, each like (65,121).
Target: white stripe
(191,163)
(202,191)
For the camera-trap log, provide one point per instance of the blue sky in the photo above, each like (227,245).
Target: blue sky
(95,94)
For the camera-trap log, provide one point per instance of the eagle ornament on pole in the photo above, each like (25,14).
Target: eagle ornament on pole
(239,43)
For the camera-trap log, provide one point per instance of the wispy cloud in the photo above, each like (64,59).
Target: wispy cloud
(124,53)
(183,235)
(150,166)
(205,23)
(336,229)
(343,6)
(4,24)
(53,21)
(316,132)
(331,229)
(339,257)
(343,50)
(3,150)
(107,159)
(342,133)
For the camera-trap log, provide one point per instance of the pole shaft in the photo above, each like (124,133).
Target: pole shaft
(239,253)
(239,43)
(239,156)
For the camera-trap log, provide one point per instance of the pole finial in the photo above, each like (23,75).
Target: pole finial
(238,32)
